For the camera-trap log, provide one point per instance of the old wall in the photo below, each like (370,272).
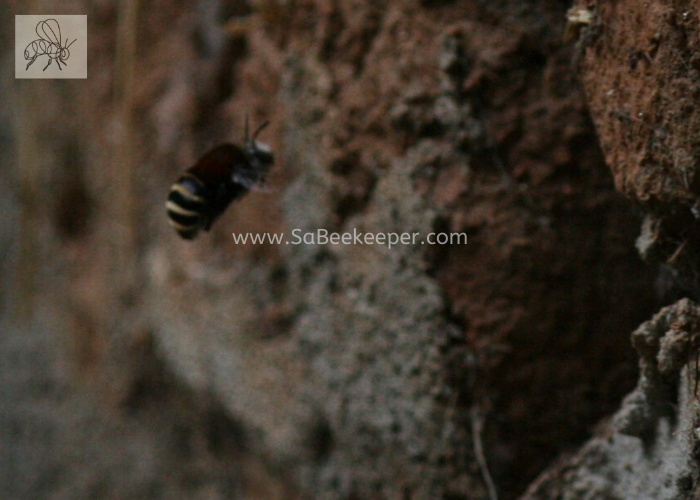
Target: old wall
(138,365)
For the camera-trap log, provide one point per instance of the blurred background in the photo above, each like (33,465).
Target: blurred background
(134,364)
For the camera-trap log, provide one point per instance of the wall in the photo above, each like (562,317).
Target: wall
(142,365)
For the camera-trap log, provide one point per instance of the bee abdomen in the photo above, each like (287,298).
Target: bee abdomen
(186,206)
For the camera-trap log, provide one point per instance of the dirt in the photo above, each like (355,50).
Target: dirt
(640,73)
(351,372)
(649,446)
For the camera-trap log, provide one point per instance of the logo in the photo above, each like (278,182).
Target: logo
(49,43)
(58,44)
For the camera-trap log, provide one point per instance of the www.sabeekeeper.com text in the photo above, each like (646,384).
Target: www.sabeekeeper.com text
(355,237)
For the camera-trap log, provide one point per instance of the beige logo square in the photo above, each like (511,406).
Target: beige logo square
(50,46)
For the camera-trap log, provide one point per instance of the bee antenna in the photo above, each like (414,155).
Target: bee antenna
(260,129)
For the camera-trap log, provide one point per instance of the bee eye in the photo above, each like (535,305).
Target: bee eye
(261,152)
(265,157)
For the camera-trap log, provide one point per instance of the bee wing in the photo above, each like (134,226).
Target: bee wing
(50,31)
(252,184)
(262,188)
(249,178)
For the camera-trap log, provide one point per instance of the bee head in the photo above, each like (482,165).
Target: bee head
(259,153)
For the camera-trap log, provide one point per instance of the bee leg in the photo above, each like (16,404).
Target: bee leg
(48,64)
(31,62)
(223,197)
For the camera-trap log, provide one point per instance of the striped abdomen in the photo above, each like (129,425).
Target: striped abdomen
(187,206)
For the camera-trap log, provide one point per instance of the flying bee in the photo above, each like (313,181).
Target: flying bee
(224,174)
(48,44)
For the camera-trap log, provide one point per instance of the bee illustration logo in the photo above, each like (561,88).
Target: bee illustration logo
(49,44)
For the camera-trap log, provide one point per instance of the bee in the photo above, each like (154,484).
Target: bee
(48,44)
(224,174)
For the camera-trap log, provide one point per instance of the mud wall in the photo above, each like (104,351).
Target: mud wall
(141,365)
